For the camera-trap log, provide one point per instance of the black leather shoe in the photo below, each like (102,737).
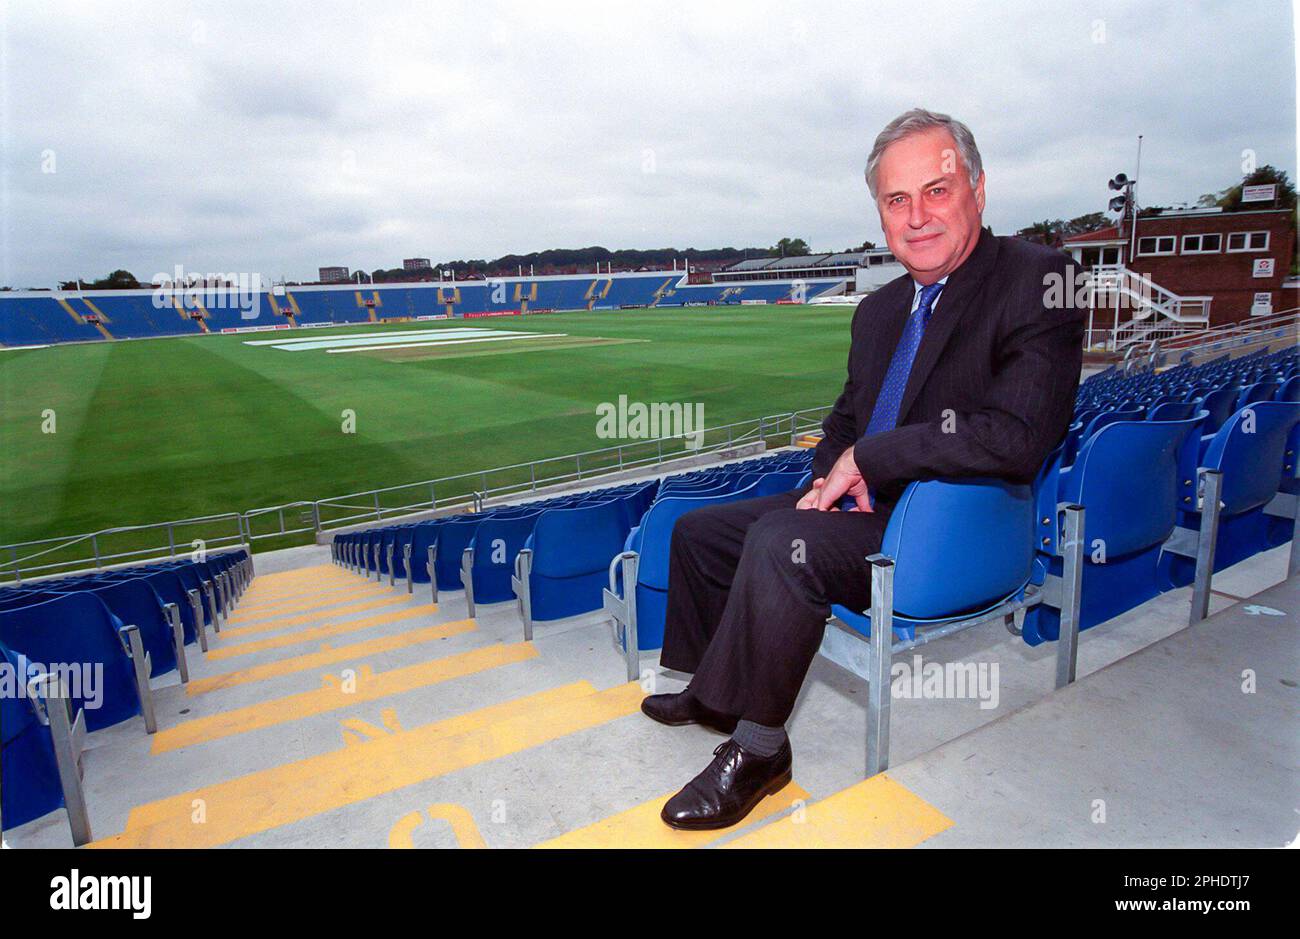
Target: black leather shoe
(728,789)
(682,708)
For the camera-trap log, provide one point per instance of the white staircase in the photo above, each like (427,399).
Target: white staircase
(1127,308)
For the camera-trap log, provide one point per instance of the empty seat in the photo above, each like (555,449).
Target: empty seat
(77,629)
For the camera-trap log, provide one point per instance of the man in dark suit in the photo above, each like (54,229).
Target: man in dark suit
(958,368)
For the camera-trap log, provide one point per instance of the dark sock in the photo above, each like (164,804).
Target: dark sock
(759,739)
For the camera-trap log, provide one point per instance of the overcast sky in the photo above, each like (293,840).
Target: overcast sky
(277,138)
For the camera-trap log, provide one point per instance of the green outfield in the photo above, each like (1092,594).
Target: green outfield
(152,430)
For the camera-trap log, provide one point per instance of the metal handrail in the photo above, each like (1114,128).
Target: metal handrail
(443,493)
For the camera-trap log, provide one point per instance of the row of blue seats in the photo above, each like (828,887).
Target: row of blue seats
(103,635)
(552,556)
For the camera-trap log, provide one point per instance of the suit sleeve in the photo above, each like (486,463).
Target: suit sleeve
(1026,410)
(839,429)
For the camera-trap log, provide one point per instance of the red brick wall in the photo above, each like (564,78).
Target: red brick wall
(1226,276)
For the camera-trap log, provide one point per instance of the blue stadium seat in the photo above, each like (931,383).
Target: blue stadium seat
(561,570)
(79,628)
(488,561)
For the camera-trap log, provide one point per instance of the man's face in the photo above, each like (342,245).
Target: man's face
(930,213)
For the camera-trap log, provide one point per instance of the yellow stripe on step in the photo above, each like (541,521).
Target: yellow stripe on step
(641,826)
(297,575)
(327,656)
(875,813)
(336,694)
(305,788)
(323,599)
(262,625)
(317,633)
(298,595)
(457,816)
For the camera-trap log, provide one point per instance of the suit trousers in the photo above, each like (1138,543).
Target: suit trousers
(750,587)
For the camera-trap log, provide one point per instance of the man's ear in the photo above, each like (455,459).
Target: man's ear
(979,193)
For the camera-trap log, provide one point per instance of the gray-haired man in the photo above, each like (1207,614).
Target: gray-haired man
(955,369)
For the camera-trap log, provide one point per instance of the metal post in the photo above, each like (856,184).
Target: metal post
(315,512)
(94,544)
(140,663)
(467,578)
(1205,544)
(64,734)
(406,562)
(196,605)
(178,640)
(882,656)
(1067,646)
(632,652)
(392,578)
(520,583)
(379,516)
(1293,567)
(433,572)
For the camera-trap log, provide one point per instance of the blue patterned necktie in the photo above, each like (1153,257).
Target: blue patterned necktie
(884,416)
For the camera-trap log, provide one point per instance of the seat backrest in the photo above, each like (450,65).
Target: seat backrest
(959,545)
(570,542)
(1172,411)
(136,603)
(1290,390)
(1220,405)
(1260,391)
(655,534)
(1110,417)
(77,629)
(1248,449)
(769,484)
(498,540)
(1127,479)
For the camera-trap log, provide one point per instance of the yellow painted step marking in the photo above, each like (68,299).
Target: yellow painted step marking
(267,598)
(462,826)
(317,633)
(253,597)
(875,813)
(328,656)
(641,826)
(301,605)
(283,622)
(364,730)
(297,575)
(305,788)
(70,311)
(334,696)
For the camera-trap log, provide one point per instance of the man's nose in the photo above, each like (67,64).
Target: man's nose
(917,217)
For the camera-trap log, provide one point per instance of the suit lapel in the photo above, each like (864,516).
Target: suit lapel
(953,304)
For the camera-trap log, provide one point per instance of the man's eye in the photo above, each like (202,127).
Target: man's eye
(937,190)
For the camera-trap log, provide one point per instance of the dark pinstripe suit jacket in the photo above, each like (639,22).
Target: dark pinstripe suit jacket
(992,387)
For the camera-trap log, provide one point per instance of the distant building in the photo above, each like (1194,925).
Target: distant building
(1233,264)
(416,264)
(333,275)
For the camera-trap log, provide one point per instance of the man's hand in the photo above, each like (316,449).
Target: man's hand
(844,479)
(809,498)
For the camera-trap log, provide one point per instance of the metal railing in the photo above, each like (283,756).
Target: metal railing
(121,545)
(461,491)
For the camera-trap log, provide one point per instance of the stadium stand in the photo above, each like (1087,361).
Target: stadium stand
(29,318)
